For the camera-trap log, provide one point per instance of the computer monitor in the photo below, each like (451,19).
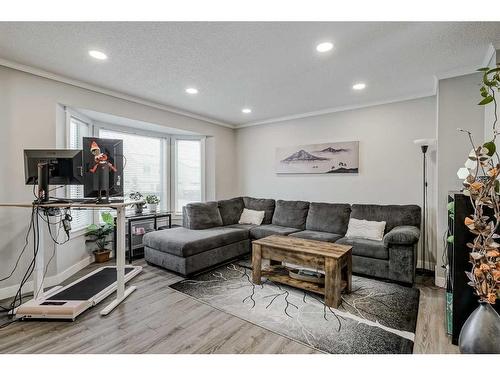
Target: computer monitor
(52,167)
(103,167)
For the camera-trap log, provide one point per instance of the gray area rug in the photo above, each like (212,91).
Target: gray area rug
(377,317)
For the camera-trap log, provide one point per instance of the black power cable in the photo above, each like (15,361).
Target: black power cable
(26,241)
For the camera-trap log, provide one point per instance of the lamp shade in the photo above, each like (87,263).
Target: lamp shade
(429,142)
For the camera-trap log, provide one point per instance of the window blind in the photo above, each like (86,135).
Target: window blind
(144,165)
(188,172)
(77,130)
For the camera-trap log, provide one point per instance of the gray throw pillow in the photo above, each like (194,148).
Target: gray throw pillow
(230,210)
(203,215)
(328,217)
(291,214)
(258,204)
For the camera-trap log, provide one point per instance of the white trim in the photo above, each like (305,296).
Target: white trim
(440,281)
(108,92)
(173,166)
(50,281)
(459,72)
(489,55)
(128,130)
(338,109)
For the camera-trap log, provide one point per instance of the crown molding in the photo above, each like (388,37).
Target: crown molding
(77,83)
(490,53)
(326,111)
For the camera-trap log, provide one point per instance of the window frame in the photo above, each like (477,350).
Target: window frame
(169,154)
(69,114)
(173,158)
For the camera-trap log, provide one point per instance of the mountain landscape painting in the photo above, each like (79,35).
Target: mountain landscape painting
(338,157)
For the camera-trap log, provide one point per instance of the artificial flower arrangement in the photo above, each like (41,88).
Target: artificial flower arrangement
(483,186)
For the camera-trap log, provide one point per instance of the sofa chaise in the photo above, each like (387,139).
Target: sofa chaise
(211,234)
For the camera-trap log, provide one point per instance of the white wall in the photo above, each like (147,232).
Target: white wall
(390,164)
(28,115)
(457,108)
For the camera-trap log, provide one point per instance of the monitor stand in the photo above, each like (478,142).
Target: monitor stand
(43,182)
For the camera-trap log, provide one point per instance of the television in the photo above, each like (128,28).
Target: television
(103,167)
(52,167)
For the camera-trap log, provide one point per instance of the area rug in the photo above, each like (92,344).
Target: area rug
(376,318)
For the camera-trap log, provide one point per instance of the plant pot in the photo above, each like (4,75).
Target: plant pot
(152,207)
(481,332)
(102,256)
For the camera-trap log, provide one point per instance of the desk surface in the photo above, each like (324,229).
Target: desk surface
(70,205)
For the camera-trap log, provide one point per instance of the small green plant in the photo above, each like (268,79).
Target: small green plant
(99,234)
(152,199)
(137,196)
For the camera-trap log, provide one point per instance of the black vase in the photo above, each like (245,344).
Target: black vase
(481,332)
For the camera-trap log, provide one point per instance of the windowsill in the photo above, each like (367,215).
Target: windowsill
(78,233)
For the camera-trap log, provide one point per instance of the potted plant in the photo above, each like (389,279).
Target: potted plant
(137,197)
(99,234)
(481,331)
(152,201)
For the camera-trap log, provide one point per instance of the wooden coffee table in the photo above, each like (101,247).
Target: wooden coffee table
(335,260)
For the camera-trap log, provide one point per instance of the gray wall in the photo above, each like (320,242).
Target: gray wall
(28,117)
(390,164)
(457,108)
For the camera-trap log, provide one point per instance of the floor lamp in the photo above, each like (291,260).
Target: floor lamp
(425,145)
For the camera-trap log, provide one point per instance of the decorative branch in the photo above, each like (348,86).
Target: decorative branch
(484,191)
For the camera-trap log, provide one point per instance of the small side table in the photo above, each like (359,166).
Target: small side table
(151,220)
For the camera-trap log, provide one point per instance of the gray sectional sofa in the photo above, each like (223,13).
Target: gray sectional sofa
(211,234)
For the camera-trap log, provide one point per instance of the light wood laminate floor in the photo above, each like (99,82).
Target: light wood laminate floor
(157,319)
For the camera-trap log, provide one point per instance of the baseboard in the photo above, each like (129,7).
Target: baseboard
(11,291)
(428,265)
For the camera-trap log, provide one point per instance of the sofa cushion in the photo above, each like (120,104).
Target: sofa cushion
(393,215)
(316,235)
(328,217)
(230,210)
(366,248)
(259,204)
(291,214)
(185,242)
(402,235)
(242,226)
(262,231)
(203,215)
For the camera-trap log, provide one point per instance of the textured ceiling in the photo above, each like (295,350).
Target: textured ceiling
(271,67)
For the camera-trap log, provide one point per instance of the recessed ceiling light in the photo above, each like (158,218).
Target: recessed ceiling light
(359,86)
(192,90)
(98,55)
(246,110)
(324,47)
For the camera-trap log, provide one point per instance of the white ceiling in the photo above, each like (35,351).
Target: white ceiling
(271,67)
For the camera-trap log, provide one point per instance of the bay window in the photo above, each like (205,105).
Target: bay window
(171,167)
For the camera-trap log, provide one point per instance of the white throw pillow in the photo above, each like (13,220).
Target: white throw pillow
(368,230)
(251,217)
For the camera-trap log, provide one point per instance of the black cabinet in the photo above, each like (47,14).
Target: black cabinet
(464,301)
(137,225)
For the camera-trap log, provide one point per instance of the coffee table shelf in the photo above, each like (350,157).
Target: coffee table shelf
(283,278)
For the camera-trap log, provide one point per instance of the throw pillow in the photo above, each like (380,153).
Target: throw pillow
(251,217)
(364,229)
(203,215)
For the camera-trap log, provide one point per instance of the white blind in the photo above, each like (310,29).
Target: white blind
(188,172)
(77,130)
(144,164)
